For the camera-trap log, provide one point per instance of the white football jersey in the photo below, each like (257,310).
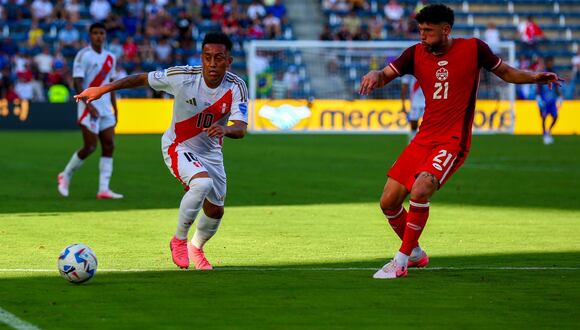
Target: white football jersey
(416,95)
(96,69)
(196,106)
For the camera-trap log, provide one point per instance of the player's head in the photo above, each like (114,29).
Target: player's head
(98,34)
(435,23)
(215,57)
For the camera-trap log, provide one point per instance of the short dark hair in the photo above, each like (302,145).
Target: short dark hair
(97,25)
(436,14)
(217,37)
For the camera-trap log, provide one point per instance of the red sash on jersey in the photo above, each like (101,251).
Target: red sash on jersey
(100,77)
(186,129)
(415,86)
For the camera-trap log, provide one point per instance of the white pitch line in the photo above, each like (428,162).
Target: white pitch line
(13,321)
(285,269)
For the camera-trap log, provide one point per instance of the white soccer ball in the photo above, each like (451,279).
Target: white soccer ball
(77,263)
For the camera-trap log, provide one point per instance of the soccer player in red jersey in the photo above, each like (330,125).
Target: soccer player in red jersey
(448,71)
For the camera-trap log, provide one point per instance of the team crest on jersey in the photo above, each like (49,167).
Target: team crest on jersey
(192,101)
(442,74)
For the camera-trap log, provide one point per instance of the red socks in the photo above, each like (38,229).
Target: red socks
(397,219)
(416,220)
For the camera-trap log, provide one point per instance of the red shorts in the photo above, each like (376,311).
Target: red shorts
(440,160)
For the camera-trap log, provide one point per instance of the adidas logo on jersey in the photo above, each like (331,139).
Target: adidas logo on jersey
(192,101)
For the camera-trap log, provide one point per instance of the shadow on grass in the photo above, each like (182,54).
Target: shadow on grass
(515,171)
(287,297)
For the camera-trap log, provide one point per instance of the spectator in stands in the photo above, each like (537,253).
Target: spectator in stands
(120,72)
(146,52)
(41,10)
(376,26)
(279,90)
(362,34)
(256,10)
(327,33)
(131,23)
(73,10)
(12,11)
(35,34)
(100,9)
(256,31)
(244,23)
(492,37)
(230,25)
(9,47)
(136,8)
(69,37)
(115,47)
(164,52)
(43,62)
(113,24)
(130,49)
(530,33)
(359,6)
(394,13)
(343,33)
(272,26)
(27,88)
(352,22)
(278,9)
(184,28)
(59,13)
(218,10)
(152,8)
(166,24)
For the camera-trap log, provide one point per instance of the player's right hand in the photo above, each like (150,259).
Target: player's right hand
(369,82)
(89,95)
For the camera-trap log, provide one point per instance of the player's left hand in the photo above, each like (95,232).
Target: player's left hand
(549,78)
(215,131)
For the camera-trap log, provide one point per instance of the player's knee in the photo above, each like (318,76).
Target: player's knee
(201,186)
(108,147)
(389,205)
(89,148)
(215,211)
(424,187)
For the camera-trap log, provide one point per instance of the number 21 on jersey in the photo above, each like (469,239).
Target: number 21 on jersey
(441,90)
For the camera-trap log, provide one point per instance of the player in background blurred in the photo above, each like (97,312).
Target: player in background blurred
(206,98)
(410,86)
(448,70)
(94,66)
(549,101)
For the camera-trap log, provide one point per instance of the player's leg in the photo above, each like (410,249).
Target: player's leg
(106,137)
(78,158)
(553,111)
(392,199)
(209,220)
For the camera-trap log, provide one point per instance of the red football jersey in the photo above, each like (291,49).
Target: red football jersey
(449,82)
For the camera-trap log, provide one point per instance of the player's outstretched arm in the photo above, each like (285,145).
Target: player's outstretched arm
(376,79)
(94,93)
(515,76)
(235,131)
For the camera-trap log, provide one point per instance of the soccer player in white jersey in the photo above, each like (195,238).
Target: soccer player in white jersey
(93,66)
(410,86)
(207,98)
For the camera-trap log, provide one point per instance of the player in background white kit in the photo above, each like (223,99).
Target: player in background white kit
(93,66)
(206,99)
(410,86)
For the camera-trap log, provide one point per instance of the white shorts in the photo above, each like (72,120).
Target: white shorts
(96,125)
(416,113)
(184,163)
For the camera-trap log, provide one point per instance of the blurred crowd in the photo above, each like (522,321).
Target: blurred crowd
(39,38)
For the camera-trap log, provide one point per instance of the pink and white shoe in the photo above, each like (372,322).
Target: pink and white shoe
(391,270)
(198,257)
(63,182)
(109,195)
(419,262)
(179,252)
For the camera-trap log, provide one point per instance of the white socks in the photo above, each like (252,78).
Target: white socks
(416,253)
(402,259)
(105,172)
(73,164)
(206,228)
(191,203)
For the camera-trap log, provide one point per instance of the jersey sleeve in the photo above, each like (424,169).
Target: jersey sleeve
(79,65)
(405,64)
(239,109)
(167,80)
(486,58)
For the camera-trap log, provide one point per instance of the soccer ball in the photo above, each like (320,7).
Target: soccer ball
(77,263)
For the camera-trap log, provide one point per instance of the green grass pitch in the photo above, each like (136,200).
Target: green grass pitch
(300,240)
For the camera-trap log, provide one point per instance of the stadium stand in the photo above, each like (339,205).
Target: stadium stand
(39,38)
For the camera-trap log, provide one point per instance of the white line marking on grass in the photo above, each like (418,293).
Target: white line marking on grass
(13,321)
(285,269)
